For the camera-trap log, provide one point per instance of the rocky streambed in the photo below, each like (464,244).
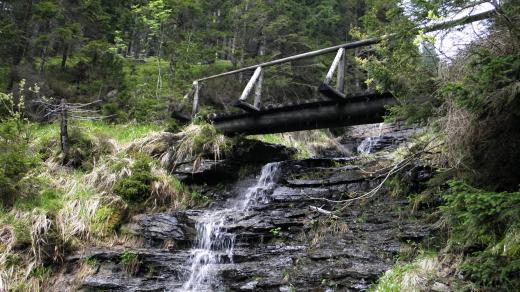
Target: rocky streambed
(266,231)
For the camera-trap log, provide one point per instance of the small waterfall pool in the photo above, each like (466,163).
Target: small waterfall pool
(213,245)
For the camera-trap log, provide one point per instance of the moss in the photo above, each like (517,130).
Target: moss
(108,218)
(136,187)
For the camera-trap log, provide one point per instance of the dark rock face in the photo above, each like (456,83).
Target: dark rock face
(158,229)
(254,151)
(282,244)
(247,152)
(208,171)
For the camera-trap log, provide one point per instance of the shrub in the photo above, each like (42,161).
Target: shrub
(85,148)
(486,226)
(15,156)
(135,188)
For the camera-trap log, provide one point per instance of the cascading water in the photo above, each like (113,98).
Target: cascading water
(213,244)
(367,145)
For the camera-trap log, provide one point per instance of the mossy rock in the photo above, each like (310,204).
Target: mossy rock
(108,218)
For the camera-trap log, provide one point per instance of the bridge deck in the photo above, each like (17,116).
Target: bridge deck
(349,111)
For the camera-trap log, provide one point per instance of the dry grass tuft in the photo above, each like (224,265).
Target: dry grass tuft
(40,228)
(168,191)
(190,145)
(74,219)
(107,172)
(323,230)
(155,144)
(7,239)
(455,125)
(417,278)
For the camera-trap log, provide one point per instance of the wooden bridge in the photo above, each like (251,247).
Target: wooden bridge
(337,110)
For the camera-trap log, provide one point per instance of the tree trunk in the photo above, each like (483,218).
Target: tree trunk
(64,56)
(64,134)
(23,46)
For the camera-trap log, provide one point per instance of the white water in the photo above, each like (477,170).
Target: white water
(213,245)
(367,145)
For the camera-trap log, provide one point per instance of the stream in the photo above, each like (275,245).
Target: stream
(264,230)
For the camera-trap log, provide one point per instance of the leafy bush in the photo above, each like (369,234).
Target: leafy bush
(136,187)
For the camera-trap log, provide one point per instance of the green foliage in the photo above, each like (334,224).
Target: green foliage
(478,216)
(495,73)
(41,272)
(491,270)
(490,222)
(107,219)
(127,257)
(90,261)
(16,159)
(130,261)
(49,200)
(136,187)
(84,148)
(276,231)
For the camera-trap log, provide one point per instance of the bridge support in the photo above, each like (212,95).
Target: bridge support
(323,114)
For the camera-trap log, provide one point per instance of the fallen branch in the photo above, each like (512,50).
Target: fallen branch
(323,211)
(393,170)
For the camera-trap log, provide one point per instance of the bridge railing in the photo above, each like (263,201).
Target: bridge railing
(338,65)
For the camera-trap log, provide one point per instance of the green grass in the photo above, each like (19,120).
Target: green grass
(408,276)
(48,200)
(122,133)
(303,148)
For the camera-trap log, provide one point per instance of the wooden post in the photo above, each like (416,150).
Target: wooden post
(64,134)
(258,90)
(195,98)
(334,66)
(340,84)
(250,84)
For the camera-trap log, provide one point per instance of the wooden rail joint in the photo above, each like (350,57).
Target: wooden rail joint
(255,81)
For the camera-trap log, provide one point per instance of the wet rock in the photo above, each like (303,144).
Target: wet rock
(206,172)
(280,243)
(335,179)
(254,151)
(246,152)
(157,229)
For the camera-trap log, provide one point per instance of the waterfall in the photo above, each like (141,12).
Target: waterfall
(213,244)
(367,145)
